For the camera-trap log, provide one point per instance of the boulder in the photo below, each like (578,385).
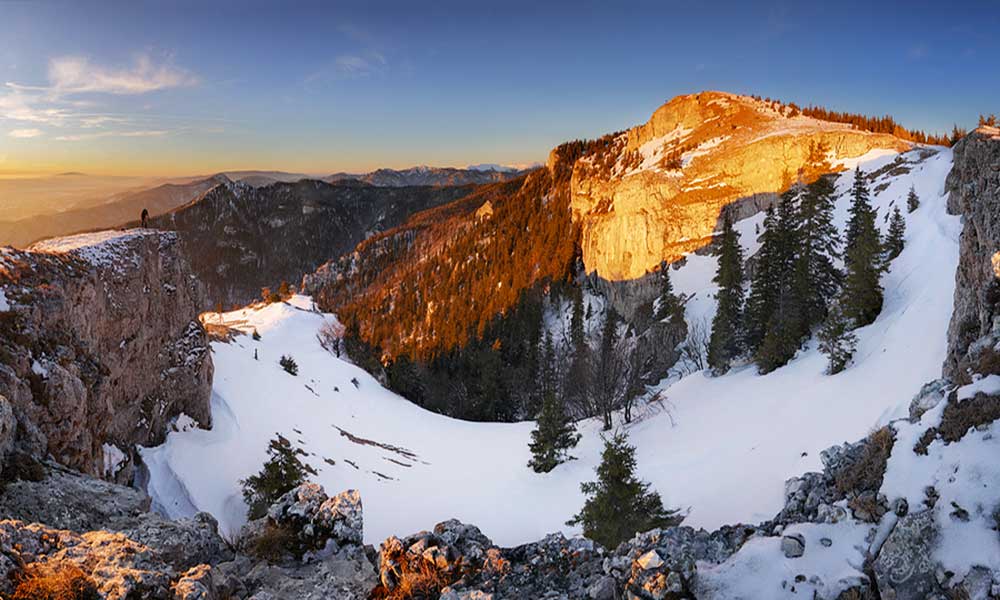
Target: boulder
(793,546)
(904,567)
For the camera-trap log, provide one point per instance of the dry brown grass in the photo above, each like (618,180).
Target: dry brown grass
(419,580)
(866,474)
(273,544)
(989,362)
(58,581)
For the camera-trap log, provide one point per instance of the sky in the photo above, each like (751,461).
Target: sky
(182,88)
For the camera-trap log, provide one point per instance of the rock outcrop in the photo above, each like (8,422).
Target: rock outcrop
(974,186)
(101,347)
(656,193)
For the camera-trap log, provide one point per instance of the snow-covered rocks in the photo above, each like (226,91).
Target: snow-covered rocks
(793,546)
(316,519)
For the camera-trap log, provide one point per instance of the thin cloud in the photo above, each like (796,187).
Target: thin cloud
(351,66)
(25,133)
(77,75)
(104,134)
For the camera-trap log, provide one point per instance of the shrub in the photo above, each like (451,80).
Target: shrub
(289,365)
(281,473)
(54,581)
(330,337)
(273,544)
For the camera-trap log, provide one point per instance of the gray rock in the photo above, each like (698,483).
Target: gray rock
(183,544)
(904,566)
(793,546)
(974,193)
(602,589)
(317,518)
(65,499)
(8,425)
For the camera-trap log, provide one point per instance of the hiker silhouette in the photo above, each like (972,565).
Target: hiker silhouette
(145,216)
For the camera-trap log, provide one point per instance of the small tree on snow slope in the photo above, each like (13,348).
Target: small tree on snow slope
(618,504)
(895,240)
(912,200)
(553,436)
(836,340)
(281,473)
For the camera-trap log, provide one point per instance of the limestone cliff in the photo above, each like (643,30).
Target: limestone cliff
(656,191)
(974,186)
(100,346)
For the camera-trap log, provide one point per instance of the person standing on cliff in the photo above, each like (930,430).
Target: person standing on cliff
(145,217)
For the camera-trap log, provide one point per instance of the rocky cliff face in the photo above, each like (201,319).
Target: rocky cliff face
(974,186)
(100,347)
(657,190)
(240,238)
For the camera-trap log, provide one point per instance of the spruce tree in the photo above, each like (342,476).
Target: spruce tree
(862,294)
(618,504)
(763,285)
(774,312)
(553,436)
(725,344)
(836,340)
(611,365)
(817,278)
(912,200)
(784,331)
(282,473)
(895,240)
(668,306)
(579,374)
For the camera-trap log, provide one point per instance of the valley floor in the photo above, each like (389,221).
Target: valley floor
(720,448)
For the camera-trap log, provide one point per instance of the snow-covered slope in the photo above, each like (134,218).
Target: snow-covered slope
(720,448)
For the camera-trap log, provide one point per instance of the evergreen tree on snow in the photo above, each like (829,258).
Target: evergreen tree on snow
(774,310)
(725,344)
(895,240)
(554,432)
(763,285)
(618,504)
(668,306)
(836,340)
(912,200)
(578,375)
(282,473)
(817,278)
(862,295)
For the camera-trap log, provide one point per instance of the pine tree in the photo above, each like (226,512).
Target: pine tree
(785,328)
(836,340)
(282,473)
(618,504)
(579,374)
(860,207)
(668,306)
(553,436)
(725,344)
(862,294)
(817,278)
(895,240)
(763,286)
(912,200)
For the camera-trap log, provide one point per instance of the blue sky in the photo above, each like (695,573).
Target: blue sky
(174,88)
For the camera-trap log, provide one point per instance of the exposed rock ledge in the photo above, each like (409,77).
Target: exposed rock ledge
(100,348)
(974,186)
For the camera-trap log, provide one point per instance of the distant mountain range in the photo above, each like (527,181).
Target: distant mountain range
(126,206)
(436,176)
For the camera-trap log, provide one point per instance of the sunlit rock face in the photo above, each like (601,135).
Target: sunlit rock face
(658,190)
